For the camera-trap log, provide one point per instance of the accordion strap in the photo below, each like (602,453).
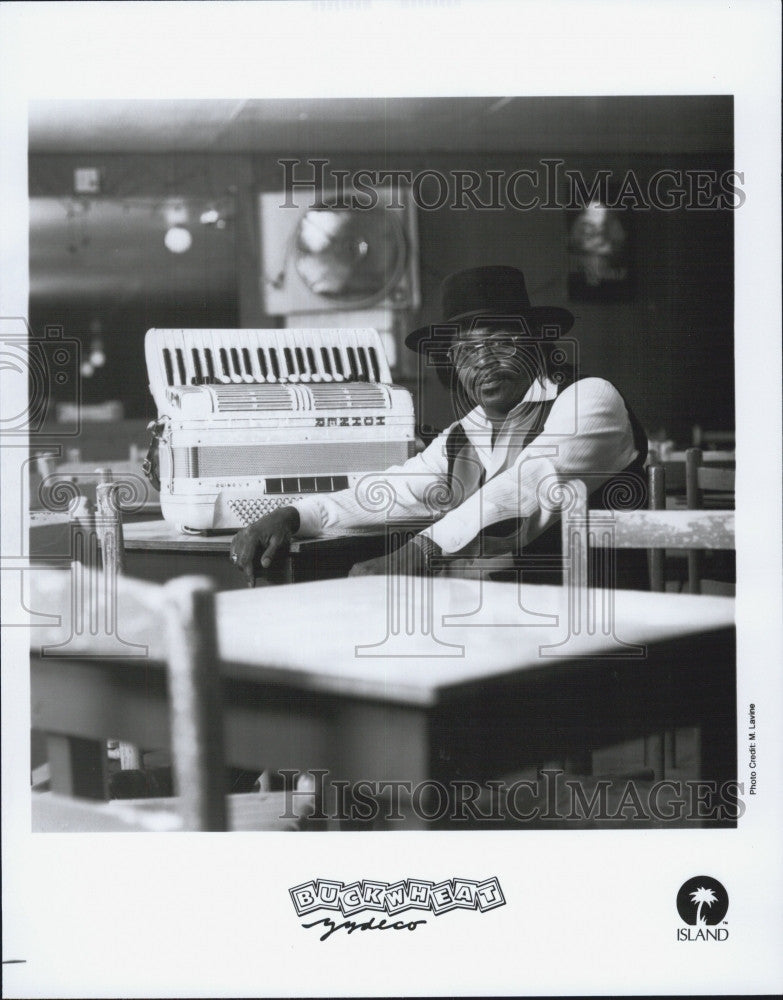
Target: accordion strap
(151,464)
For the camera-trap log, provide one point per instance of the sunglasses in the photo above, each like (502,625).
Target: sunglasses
(465,351)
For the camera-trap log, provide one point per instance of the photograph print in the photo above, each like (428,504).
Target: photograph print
(375,379)
(454,347)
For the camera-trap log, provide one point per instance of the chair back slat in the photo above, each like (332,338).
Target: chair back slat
(108,524)
(576,554)
(667,529)
(196,702)
(711,457)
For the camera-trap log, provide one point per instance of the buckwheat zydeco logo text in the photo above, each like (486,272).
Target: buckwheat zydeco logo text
(412,897)
(703,902)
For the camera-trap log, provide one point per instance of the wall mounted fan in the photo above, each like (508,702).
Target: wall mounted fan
(317,258)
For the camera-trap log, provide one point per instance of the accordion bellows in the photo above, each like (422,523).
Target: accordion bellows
(251,420)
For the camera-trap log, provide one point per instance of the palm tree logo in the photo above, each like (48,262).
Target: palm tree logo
(702,900)
(702,897)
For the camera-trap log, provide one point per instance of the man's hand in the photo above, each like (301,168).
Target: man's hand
(412,559)
(259,543)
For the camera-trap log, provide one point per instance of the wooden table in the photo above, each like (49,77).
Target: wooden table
(156,551)
(315,678)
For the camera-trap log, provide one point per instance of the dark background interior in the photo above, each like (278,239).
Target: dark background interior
(99,262)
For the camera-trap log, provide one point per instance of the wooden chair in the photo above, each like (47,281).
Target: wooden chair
(674,463)
(108,525)
(663,747)
(709,486)
(643,529)
(708,483)
(177,625)
(92,534)
(585,530)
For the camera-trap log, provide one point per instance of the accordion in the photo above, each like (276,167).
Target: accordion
(251,420)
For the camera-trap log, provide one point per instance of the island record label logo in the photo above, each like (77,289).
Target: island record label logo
(702,903)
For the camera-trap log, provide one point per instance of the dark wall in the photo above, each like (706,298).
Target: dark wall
(668,348)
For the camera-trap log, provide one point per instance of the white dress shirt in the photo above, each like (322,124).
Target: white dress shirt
(587,431)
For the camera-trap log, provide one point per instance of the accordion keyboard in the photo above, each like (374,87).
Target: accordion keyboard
(263,357)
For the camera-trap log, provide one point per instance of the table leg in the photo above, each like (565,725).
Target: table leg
(386,751)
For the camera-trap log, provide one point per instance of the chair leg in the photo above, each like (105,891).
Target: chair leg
(671,748)
(694,573)
(660,752)
(655,754)
(656,570)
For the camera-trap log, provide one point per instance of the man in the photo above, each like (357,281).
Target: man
(525,424)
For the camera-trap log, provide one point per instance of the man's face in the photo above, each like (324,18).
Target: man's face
(495,367)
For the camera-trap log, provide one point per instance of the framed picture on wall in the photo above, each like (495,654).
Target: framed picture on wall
(599,254)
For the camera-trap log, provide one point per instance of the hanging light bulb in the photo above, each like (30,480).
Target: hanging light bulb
(97,356)
(178,239)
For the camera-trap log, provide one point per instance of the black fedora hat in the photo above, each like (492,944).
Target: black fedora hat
(493,292)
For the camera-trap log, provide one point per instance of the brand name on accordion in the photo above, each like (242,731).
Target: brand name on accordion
(350,421)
